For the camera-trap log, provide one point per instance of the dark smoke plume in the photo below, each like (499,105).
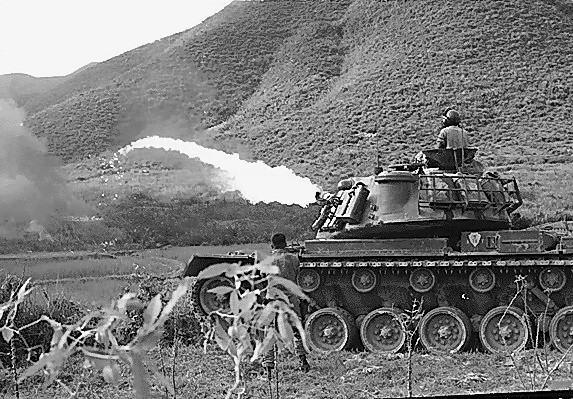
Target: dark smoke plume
(30,186)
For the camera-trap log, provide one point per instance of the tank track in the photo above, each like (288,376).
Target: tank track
(494,301)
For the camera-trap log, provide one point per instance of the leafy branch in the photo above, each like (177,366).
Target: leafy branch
(259,317)
(95,337)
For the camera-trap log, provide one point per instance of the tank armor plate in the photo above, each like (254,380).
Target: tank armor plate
(567,245)
(367,247)
(508,241)
(199,262)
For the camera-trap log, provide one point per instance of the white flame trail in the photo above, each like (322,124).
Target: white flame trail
(256,181)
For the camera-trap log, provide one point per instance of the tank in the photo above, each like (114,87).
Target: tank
(434,235)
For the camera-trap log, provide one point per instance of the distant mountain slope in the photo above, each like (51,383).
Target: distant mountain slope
(235,54)
(203,74)
(322,86)
(18,85)
(377,80)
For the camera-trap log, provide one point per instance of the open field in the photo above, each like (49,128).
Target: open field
(165,261)
(94,282)
(338,375)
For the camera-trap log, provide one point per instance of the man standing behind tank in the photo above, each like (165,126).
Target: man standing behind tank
(288,265)
(452,135)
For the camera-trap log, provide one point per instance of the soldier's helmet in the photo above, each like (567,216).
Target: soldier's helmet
(451,117)
(278,241)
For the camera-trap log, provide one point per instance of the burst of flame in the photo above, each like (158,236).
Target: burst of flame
(256,181)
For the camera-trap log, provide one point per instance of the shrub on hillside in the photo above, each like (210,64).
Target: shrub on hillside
(66,235)
(148,222)
(85,234)
(81,126)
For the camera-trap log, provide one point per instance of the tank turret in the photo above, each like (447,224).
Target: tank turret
(441,195)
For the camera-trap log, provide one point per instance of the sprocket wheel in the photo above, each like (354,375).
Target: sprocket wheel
(382,332)
(504,330)
(205,302)
(445,330)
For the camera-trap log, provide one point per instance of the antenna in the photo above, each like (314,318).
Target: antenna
(463,149)
(378,168)
(463,161)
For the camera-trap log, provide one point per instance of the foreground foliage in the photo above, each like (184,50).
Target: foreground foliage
(95,336)
(124,333)
(338,375)
(260,317)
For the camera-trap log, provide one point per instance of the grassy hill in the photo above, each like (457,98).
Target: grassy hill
(203,74)
(19,86)
(377,79)
(323,86)
(353,77)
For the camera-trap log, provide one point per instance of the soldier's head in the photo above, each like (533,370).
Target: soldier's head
(278,241)
(451,117)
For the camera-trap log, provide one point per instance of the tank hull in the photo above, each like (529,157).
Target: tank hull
(416,229)
(465,293)
(463,290)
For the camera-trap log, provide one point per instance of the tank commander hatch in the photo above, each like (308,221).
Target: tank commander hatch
(452,135)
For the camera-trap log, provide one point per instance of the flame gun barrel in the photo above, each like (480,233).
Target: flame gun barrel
(346,206)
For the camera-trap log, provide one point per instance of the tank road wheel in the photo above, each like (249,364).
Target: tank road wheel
(552,279)
(482,279)
(381,331)
(363,280)
(330,329)
(561,329)
(445,330)
(503,330)
(206,302)
(422,280)
(308,280)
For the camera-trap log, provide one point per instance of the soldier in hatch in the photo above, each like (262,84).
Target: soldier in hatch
(452,135)
(288,265)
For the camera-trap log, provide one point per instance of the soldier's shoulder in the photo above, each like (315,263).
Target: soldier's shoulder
(291,258)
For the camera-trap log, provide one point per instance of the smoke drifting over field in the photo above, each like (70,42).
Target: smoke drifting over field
(30,186)
(256,181)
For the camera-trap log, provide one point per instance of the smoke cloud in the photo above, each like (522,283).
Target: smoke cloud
(256,181)
(30,186)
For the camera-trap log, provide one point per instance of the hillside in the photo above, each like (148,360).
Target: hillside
(377,80)
(322,87)
(19,86)
(198,76)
